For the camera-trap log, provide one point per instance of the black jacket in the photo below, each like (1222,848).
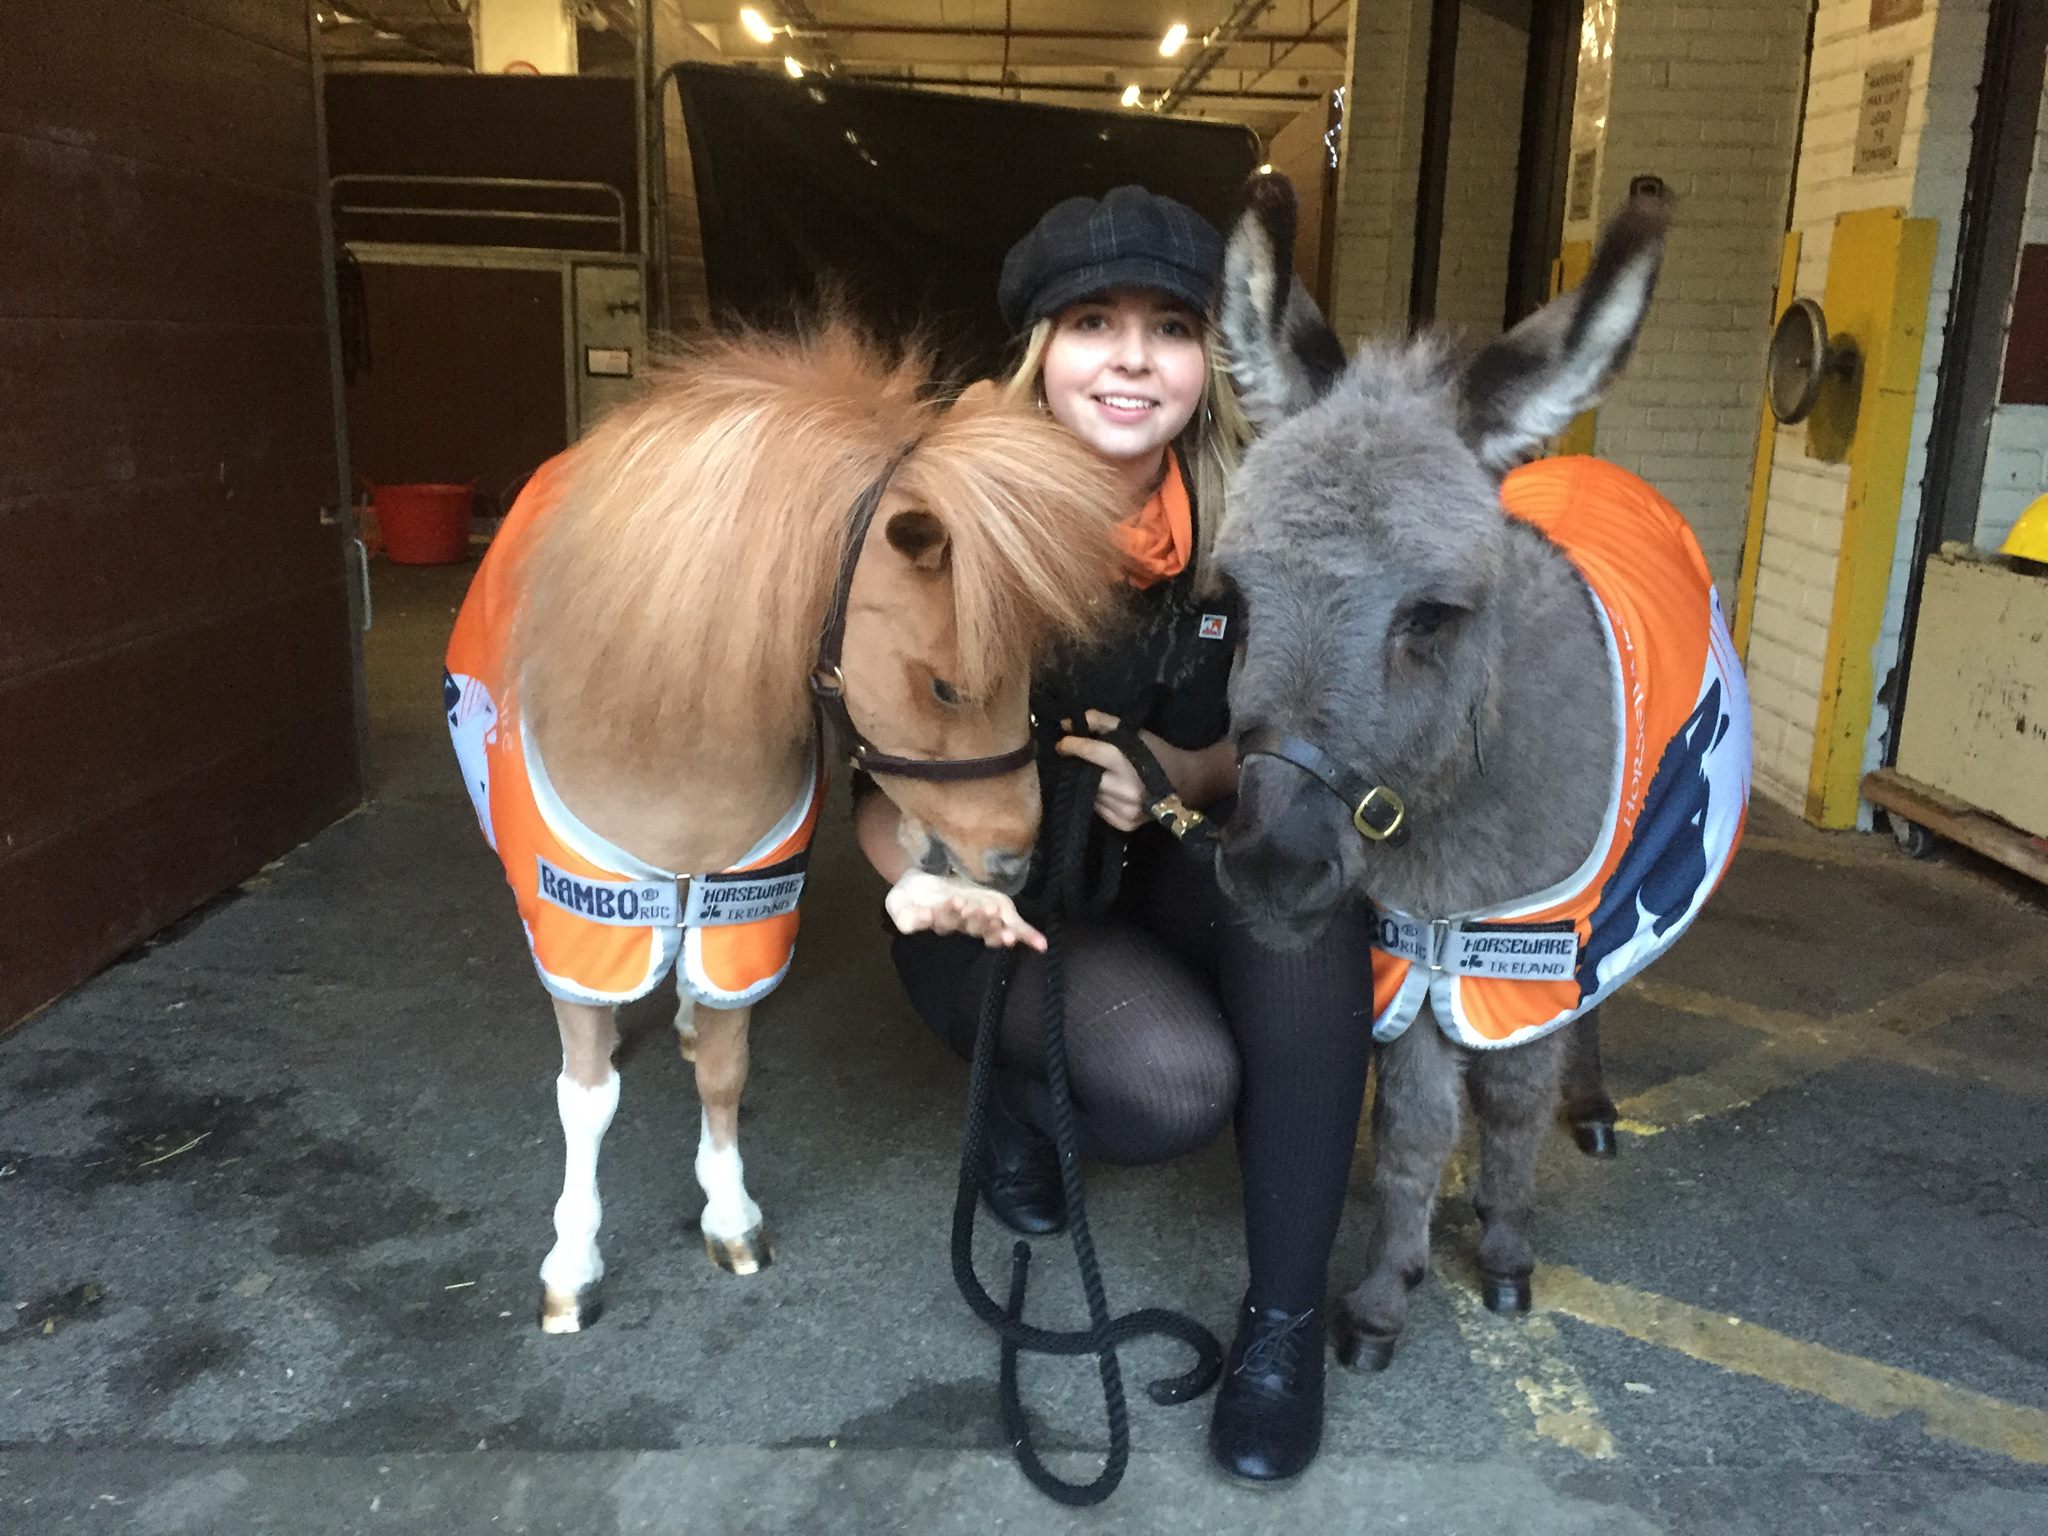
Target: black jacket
(1164,666)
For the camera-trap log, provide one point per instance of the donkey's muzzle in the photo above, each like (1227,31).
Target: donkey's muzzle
(1280,859)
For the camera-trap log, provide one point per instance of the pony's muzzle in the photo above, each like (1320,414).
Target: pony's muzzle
(1006,872)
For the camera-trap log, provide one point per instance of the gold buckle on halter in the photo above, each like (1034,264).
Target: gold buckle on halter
(1173,814)
(1385,797)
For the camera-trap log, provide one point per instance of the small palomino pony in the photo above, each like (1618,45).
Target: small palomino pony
(1499,702)
(782,550)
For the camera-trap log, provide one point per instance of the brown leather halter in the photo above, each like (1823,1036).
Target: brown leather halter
(828,683)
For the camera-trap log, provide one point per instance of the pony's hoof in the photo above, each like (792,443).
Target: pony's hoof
(1505,1293)
(1360,1348)
(686,1042)
(747,1254)
(1596,1138)
(570,1311)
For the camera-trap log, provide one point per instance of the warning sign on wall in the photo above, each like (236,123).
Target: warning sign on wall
(1882,123)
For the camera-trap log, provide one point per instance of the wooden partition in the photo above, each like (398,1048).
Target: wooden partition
(176,686)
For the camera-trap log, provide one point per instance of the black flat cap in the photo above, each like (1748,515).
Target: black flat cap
(1130,239)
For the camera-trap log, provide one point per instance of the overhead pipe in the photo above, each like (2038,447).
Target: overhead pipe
(1214,42)
(800,23)
(1313,35)
(1052,34)
(1079,87)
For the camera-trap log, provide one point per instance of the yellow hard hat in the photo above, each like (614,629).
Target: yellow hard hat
(2029,536)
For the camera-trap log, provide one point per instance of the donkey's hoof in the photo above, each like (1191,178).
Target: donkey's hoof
(747,1254)
(1505,1293)
(570,1311)
(1361,1349)
(686,1042)
(1596,1138)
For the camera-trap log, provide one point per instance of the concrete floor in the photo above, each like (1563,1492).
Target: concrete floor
(273,1191)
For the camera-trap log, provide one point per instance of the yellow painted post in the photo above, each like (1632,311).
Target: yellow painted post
(1760,472)
(1879,270)
(1574,261)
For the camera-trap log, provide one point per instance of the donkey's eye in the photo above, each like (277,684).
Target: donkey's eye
(1421,630)
(1425,621)
(945,693)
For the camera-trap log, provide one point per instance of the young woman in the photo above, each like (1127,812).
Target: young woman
(1176,1020)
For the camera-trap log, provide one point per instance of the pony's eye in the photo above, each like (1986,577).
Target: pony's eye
(945,693)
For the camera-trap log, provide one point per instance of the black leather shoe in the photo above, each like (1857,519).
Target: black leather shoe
(1020,1179)
(1268,1424)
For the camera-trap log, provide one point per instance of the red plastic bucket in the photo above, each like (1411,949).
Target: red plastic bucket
(424,524)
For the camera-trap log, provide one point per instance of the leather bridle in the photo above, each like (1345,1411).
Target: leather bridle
(1379,814)
(828,682)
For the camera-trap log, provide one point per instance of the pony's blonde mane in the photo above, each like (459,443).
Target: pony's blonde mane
(679,589)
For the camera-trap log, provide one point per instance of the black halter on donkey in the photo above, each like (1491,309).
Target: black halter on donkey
(1377,813)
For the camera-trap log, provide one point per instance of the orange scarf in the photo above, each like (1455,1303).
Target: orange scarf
(1158,539)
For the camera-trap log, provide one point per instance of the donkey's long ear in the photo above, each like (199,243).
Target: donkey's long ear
(1529,384)
(1281,354)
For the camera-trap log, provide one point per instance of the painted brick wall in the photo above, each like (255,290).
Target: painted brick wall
(1479,193)
(1803,522)
(1941,167)
(1379,163)
(1591,90)
(1705,94)
(2016,468)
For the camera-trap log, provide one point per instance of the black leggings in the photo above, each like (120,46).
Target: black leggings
(1176,1020)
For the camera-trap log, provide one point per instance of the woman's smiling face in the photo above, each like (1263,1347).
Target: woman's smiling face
(1124,371)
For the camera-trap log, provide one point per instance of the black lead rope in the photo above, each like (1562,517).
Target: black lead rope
(1072,813)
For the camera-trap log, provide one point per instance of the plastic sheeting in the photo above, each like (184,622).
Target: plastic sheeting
(905,201)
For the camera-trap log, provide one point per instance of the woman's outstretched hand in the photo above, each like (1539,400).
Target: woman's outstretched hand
(922,903)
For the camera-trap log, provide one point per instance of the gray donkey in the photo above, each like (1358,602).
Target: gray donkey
(1499,702)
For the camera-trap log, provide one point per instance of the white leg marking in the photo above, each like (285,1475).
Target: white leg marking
(587,1113)
(729,1211)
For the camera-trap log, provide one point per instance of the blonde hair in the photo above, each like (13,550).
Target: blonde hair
(1210,445)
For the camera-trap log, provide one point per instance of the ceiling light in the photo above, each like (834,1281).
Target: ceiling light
(1131,94)
(757,25)
(1176,35)
(1266,169)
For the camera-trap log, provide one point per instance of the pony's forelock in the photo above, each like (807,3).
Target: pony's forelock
(1029,514)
